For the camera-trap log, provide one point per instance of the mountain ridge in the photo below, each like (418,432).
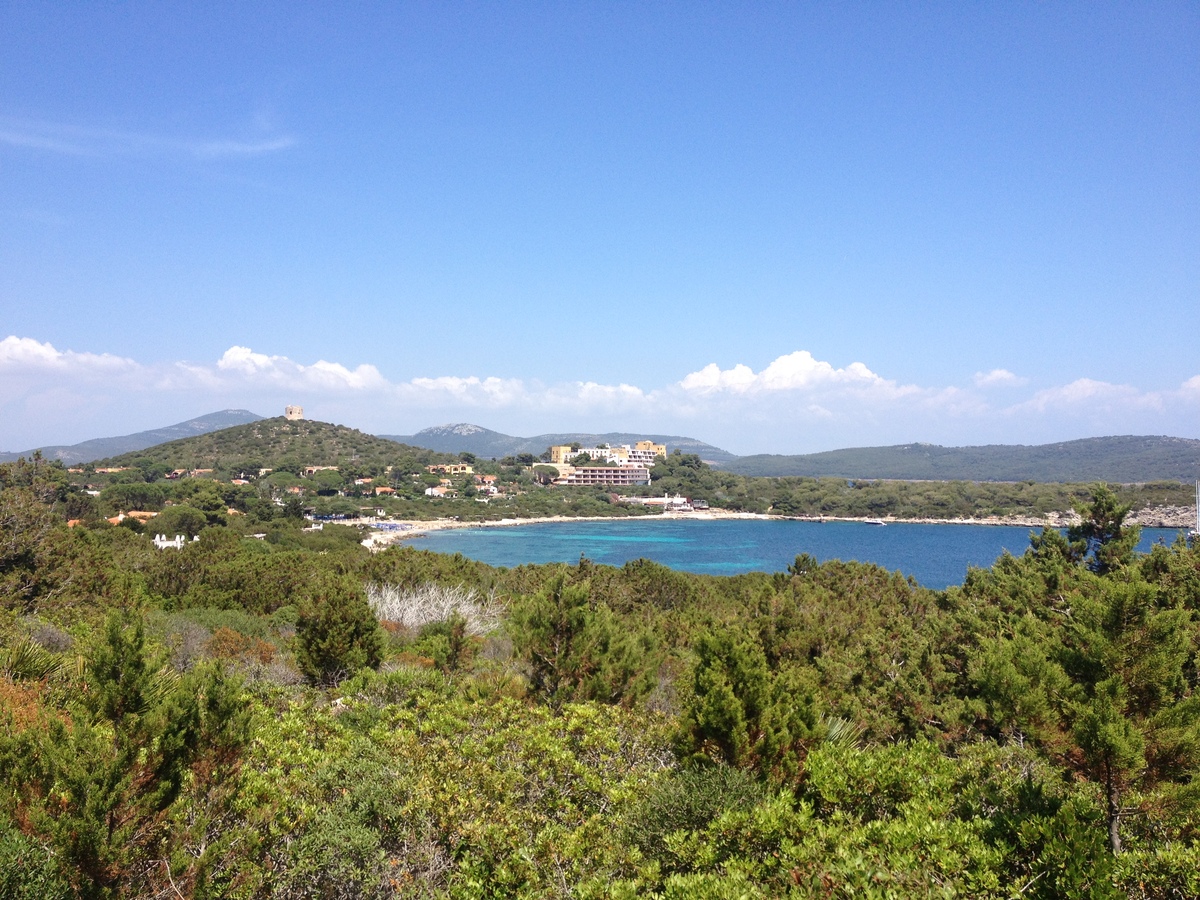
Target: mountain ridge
(102,448)
(463,437)
(1122,459)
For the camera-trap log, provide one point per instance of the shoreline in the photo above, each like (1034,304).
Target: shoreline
(418,528)
(1169,517)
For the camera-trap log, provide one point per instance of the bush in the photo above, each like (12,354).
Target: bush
(29,870)
(742,714)
(337,634)
(577,649)
(689,799)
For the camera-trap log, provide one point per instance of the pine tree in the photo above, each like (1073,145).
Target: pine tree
(98,784)
(741,714)
(1137,723)
(1106,540)
(337,633)
(575,649)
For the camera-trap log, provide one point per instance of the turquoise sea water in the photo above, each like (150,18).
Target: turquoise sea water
(936,555)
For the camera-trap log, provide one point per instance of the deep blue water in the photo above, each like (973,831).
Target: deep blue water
(936,555)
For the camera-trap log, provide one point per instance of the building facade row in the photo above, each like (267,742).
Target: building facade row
(605,475)
(642,453)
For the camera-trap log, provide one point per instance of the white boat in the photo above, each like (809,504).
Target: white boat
(875,522)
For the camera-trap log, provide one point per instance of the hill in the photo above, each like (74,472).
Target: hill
(488,444)
(99,448)
(1124,460)
(276,443)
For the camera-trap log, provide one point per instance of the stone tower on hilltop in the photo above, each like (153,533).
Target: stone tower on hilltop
(293,413)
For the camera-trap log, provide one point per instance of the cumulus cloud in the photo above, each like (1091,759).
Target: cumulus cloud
(1088,395)
(712,378)
(609,395)
(800,370)
(471,390)
(795,402)
(19,354)
(999,378)
(798,373)
(283,372)
(795,371)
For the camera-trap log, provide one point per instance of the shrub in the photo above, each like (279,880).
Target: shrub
(689,799)
(742,714)
(576,648)
(337,633)
(29,870)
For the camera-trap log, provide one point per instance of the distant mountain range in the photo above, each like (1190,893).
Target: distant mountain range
(1121,460)
(101,448)
(488,444)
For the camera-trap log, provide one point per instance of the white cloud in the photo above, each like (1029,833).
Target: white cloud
(283,372)
(28,355)
(999,378)
(470,390)
(712,378)
(32,141)
(215,149)
(795,403)
(593,394)
(795,371)
(497,393)
(1086,395)
(800,370)
(245,360)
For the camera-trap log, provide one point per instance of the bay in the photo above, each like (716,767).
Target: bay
(937,556)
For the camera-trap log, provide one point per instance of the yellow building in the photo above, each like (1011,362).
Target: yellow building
(642,453)
(451,469)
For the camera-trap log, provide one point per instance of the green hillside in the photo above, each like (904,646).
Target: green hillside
(1125,460)
(288,447)
(277,443)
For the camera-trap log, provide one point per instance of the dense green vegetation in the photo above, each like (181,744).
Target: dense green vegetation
(285,468)
(1120,459)
(264,471)
(279,443)
(298,717)
(794,496)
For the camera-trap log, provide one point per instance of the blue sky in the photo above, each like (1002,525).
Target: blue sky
(774,227)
